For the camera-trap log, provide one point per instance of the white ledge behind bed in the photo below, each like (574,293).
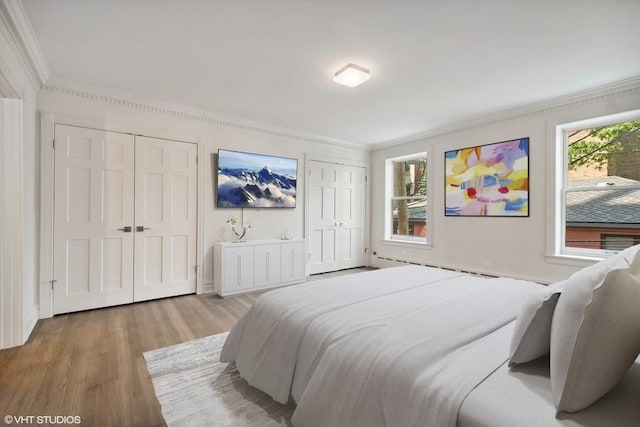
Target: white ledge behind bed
(380,261)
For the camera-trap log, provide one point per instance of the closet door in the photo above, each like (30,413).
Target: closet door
(336,214)
(93,248)
(165,218)
(323,217)
(351,186)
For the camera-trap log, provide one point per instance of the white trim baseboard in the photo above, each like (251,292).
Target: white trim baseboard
(30,321)
(381,261)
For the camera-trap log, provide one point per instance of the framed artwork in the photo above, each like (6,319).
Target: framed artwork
(488,180)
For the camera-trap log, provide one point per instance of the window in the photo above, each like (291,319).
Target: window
(600,188)
(406,189)
(612,242)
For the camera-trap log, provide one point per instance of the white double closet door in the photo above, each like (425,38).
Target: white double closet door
(336,216)
(125,221)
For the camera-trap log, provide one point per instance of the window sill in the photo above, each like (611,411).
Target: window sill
(572,260)
(406,243)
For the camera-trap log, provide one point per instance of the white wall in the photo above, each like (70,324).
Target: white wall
(19,83)
(145,119)
(515,247)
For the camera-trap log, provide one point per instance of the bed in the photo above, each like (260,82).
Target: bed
(409,346)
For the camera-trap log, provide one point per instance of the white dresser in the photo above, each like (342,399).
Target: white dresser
(257,264)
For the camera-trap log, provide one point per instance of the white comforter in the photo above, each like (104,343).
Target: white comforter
(400,346)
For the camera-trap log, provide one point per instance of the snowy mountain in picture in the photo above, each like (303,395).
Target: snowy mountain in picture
(255,180)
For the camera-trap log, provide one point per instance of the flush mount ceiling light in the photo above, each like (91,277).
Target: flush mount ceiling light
(352,75)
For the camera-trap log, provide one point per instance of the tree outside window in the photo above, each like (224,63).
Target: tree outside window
(408,207)
(601,192)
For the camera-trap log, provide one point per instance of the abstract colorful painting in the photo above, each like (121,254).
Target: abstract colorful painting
(488,180)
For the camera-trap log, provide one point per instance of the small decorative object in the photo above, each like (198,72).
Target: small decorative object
(285,234)
(239,230)
(488,180)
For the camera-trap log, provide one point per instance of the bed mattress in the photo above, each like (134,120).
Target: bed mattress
(521,396)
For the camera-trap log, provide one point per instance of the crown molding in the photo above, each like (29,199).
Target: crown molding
(189,113)
(24,39)
(226,121)
(576,98)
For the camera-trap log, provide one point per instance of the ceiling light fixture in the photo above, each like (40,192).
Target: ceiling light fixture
(352,75)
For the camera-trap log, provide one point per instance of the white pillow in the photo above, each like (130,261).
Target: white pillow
(532,330)
(595,332)
(596,272)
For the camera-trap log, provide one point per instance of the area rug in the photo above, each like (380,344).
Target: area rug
(195,389)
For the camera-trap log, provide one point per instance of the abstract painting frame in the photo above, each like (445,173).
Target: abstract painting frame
(488,180)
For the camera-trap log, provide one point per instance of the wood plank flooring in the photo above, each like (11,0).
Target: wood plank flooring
(90,363)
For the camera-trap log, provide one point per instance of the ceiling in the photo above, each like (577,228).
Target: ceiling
(433,63)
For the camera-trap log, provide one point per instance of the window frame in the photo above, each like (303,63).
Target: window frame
(561,188)
(389,236)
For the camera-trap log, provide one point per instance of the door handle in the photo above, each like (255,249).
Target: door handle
(142,228)
(126,229)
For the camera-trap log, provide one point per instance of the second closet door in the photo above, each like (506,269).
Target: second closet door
(336,216)
(165,218)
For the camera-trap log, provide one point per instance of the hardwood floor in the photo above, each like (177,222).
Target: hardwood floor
(90,364)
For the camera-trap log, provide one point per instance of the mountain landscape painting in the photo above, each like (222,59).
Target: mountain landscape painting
(251,180)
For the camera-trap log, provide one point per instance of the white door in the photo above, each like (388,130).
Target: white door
(93,248)
(336,216)
(351,186)
(323,216)
(165,219)
(117,196)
